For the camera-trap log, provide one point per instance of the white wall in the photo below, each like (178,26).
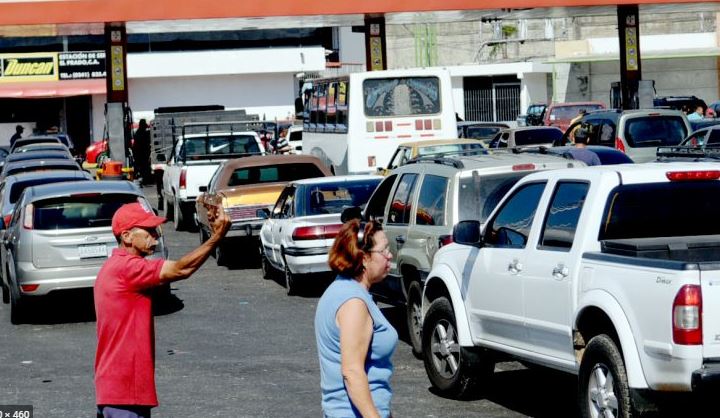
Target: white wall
(268,95)
(458,95)
(533,89)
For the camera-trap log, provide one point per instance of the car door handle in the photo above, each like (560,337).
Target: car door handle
(515,267)
(400,239)
(560,271)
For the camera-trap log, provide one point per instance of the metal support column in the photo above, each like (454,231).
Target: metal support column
(375,46)
(630,68)
(116,109)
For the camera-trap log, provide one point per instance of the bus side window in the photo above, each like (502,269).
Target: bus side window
(322,107)
(312,126)
(342,107)
(331,107)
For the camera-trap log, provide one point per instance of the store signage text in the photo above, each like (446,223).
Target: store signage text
(81,65)
(28,67)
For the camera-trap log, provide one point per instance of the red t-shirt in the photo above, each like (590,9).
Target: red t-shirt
(125,357)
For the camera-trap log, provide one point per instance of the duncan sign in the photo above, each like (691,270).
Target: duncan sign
(28,67)
(81,65)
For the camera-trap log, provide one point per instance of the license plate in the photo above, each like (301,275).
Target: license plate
(94,250)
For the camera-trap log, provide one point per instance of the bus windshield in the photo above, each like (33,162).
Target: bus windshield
(402,96)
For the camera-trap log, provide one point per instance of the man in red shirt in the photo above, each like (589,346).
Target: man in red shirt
(125,357)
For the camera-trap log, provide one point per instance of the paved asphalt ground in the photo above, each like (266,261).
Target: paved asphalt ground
(230,344)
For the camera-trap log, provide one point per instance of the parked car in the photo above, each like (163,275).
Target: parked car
(533,116)
(35,140)
(12,186)
(18,167)
(420,202)
(701,145)
(637,133)
(59,237)
(94,151)
(298,233)
(483,131)
(561,114)
(607,155)
(588,272)
(527,136)
(703,123)
(294,136)
(409,150)
(244,185)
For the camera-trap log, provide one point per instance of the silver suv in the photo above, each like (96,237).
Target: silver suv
(59,237)
(419,204)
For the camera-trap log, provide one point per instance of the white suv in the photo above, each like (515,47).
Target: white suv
(419,203)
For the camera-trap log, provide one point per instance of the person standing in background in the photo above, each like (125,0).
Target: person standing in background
(18,134)
(141,151)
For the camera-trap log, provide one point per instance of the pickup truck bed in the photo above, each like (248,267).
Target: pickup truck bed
(697,249)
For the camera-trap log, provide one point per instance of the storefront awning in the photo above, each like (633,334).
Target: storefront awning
(46,89)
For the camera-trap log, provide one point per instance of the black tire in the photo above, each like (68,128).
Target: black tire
(604,389)
(161,202)
(413,316)
(178,218)
(17,307)
(453,370)
(169,210)
(267,268)
(203,235)
(222,255)
(291,285)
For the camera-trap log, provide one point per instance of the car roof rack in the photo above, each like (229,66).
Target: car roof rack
(438,160)
(688,152)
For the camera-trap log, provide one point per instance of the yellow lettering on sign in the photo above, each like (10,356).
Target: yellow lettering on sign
(14,68)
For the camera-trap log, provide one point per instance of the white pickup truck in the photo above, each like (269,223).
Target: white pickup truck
(605,272)
(194,160)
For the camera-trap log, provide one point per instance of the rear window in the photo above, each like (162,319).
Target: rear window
(479,195)
(274,173)
(30,169)
(86,211)
(335,197)
(448,149)
(537,136)
(569,112)
(482,132)
(661,210)
(401,96)
(219,147)
(655,131)
(18,187)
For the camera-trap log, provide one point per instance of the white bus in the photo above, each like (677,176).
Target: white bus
(355,123)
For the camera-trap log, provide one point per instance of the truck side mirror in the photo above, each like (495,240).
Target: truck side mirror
(467,233)
(161,158)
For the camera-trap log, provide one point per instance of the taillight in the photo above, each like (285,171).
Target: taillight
(7,219)
(28,216)
(29,287)
(693,175)
(183,178)
(315,232)
(687,316)
(523,167)
(444,240)
(619,145)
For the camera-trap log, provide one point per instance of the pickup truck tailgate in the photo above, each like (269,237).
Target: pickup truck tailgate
(199,174)
(710,282)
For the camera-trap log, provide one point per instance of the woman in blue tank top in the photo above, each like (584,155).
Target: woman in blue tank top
(355,340)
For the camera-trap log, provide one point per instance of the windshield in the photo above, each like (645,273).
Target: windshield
(449,148)
(482,132)
(654,210)
(479,195)
(537,136)
(219,147)
(404,96)
(335,197)
(274,173)
(655,131)
(536,110)
(569,112)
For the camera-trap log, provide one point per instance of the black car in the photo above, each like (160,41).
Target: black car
(685,103)
(607,155)
(484,131)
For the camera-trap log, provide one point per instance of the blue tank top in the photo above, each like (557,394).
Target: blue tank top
(335,400)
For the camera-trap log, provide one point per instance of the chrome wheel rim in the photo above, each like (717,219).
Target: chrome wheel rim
(445,349)
(416,321)
(601,393)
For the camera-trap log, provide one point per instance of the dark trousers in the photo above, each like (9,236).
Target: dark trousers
(123,411)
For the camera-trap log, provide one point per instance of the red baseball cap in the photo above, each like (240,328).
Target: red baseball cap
(132,215)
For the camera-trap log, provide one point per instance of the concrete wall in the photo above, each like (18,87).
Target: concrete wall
(533,89)
(352,46)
